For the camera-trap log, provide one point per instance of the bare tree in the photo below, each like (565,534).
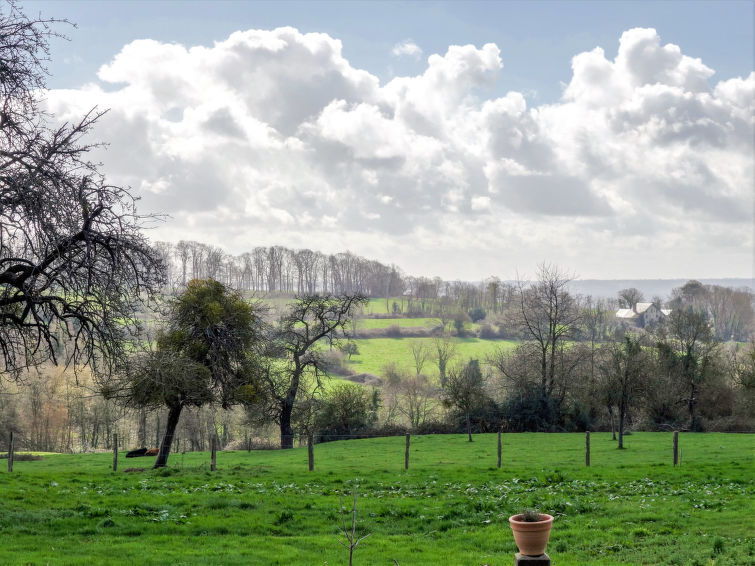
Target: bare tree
(417,399)
(294,353)
(547,315)
(444,311)
(465,390)
(445,351)
(420,354)
(74,264)
(350,538)
(631,296)
(624,370)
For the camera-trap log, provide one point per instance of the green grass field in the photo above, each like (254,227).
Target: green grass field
(374,353)
(450,507)
(369,323)
(379,306)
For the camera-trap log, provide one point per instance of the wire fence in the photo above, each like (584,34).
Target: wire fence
(675,454)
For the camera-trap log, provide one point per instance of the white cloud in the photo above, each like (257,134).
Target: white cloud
(642,168)
(407,47)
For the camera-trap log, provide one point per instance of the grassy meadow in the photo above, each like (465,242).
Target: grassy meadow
(375,353)
(370,323)
(450,507)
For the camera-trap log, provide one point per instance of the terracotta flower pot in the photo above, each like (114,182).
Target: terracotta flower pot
(531,537)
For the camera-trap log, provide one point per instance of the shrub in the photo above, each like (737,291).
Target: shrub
(579,418)
(347,410)
(335,363)
(476,314)
(459,320)
(393,331)
(529,411)
(392,373)
(437,427)
(487,332)
(387,430)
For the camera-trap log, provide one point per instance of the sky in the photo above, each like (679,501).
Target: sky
(614,139)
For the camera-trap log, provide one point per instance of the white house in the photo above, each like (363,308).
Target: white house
(642,314)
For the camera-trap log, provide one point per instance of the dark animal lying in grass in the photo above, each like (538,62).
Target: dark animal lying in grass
(142,452)
(136,453)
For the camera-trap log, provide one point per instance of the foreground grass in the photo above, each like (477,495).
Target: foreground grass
(450,507)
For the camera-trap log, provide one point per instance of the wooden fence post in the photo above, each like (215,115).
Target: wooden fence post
(10,453)
(676,447)
(499,449)
(406,454)
(115,451)
(311,451)
(587,448)
(212,453)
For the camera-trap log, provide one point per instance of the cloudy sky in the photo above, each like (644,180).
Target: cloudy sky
(462,140)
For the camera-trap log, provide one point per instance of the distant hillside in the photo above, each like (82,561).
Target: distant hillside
(649,287)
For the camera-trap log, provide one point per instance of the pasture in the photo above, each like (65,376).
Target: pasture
(375,353)
(450,507)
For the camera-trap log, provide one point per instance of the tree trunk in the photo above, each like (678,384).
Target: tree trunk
(142,430)
(621,427)
(287,433)
(170,428)
(613,425)
(691,405)
(157,429)
(469,428)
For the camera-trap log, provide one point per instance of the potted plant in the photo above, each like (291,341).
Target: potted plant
(531,531)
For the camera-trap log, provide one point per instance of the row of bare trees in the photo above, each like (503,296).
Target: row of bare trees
(277,269)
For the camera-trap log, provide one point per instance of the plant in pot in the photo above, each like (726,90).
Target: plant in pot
(531,531)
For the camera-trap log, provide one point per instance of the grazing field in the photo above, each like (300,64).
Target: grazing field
(369,323)
(374,353)
(450,507)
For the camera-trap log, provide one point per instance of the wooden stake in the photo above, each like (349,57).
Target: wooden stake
(212,452)
(499,449)
(406,454)
(115,451)
(10,453)
(587,448)
(676,447)
(311,452)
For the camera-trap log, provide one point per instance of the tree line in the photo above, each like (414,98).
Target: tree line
(278,270)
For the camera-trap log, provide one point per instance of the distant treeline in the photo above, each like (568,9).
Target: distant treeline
(280,270)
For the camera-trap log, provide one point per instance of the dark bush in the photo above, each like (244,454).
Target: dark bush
(347,410)
(579,418)
(488,417)
(477,314)
(387,430)
(438,427)
(531,411)
(393,331)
